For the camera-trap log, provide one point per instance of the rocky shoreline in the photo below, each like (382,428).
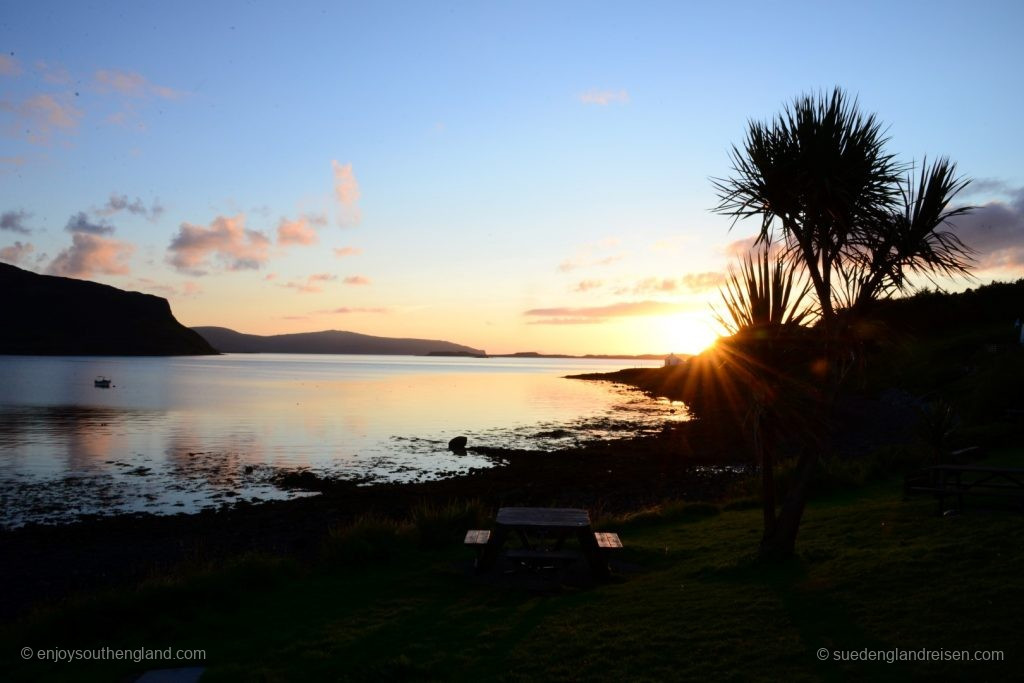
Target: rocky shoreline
(47,562)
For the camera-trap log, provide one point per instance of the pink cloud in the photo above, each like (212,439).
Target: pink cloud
(298,231)
(346,310)
(40,116)
(131,84)
(90,254)
(604,97)
(16,253)
(694,282)
(311,284)
(51,73)
(357,280)
(9,66)
(225,240)
(341,252)
(155,287)
(587,285)
(346,190)
(191,289)
(592,254)
(569,321)
(623,309)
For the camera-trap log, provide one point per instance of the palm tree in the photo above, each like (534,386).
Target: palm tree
(766,306)
(849,216)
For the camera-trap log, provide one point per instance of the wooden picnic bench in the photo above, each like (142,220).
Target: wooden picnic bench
(960,481)
(542,533)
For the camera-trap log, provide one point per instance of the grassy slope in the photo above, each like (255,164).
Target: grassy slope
(874,572)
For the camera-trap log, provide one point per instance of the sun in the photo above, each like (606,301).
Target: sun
(684,333)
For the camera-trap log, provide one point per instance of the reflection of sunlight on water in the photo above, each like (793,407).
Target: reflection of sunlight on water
(182,434)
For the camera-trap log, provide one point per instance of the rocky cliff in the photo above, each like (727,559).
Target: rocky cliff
(46,315)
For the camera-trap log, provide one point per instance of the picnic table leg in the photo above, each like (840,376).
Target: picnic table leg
(591,551)
(492,550)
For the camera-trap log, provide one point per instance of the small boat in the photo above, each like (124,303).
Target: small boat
(101,382)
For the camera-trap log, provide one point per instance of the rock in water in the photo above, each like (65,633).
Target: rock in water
(457,444)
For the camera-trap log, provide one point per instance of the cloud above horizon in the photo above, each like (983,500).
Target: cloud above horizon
(38,118)
(583,315)
(311,284)
(120,202)
(604,97)
(14,221)
(89,254)
(358,280)
(131,84)
(9,66)
(226,241)
(301,231)
(341,252)
(345,310)
(995,231)
(17,253)
(80,223)
(346,191)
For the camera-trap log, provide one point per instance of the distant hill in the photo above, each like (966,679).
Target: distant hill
(47,315)
(328,341)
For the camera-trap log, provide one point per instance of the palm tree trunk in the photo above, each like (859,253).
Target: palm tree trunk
(764,456)
(782,543)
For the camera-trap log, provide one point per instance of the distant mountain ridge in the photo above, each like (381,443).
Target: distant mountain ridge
(227,340)
(58,316)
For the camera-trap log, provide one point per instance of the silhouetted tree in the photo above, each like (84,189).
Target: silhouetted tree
(844,211)
(818,176)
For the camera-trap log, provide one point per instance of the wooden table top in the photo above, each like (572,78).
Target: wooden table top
(544,517)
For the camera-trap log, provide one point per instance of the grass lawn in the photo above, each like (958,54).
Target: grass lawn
(874,572)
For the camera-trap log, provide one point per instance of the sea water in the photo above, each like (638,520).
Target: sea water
(177,434)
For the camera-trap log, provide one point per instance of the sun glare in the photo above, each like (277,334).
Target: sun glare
(688,334)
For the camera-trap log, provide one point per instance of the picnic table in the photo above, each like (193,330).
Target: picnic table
(541,535)
(956,480)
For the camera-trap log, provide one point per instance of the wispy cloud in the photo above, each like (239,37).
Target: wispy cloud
(89,254)
(53,73)
(226,240)
(587,285)
(14,221)
(311,284)
(592,254)
(120,202)
(569,321)
(131,84)
(346,191)
(298,231)
(346,310)
(604,97)
(569,265)
(9,66)
(80,223)
(358,280)
(341,252)
(700,282)
(39,117)
(577,315)
(16,253)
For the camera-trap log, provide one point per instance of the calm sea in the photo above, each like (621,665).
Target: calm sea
(181,434)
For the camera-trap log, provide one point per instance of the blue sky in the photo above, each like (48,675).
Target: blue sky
(512,176)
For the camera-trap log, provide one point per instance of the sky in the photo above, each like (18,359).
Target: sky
(512,176)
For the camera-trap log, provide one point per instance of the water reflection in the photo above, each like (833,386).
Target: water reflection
(178,434)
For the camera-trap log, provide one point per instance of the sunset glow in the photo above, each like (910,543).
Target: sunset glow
(543,187)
